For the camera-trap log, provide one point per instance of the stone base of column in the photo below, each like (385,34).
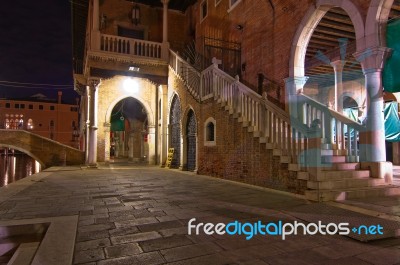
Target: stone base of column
(382,170)
(92,166)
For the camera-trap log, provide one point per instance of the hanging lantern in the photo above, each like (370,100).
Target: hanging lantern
(135,14)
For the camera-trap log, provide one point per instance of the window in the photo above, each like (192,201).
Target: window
(30,106)
(52,108)
(233,4)
(16,106)
(7,125)
(209,132)
(51,123)
(203,10)
(40,107)
(22,106)
(74,109)
(29,126)
(8,105)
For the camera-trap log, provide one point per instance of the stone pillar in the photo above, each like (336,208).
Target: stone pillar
(165,44)
(107,143)
(294,86)
(163,124)
(95,38)
(151,140)
(338,69)
(165,20)
(88,99)
(93,93)
(372,62)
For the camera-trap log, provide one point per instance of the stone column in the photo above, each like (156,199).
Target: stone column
(338,69)
(93,92)
(372,62)
(163,124)
(95,38)
(88,99)
(107,143)
(151,140)
(294,86)
(165,44)
(165,20)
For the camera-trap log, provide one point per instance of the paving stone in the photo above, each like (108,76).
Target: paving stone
(124,231)
(92,244)
(191,251)
(136,221)
(122,250)
(85,236)
(88,255)
(159,226)
(214,259)
(96,227)
(165,243)
(135,237)
(152,258)
(381,256)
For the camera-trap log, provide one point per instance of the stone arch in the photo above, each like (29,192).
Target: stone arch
(150,114)
(189,134)
(42,164)
(375,27)
(308,24)
(175,133)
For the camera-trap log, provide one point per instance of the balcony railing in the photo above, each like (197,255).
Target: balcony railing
(122,45)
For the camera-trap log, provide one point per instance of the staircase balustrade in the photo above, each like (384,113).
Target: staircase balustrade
(122,45)
(272,125)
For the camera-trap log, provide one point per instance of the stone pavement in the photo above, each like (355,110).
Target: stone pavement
(139,215)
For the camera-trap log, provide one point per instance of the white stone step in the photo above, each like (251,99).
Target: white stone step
(343,166)
(262,140)
(342,174)
(354,193)
(333,159)
(295,167)
(345,183)
(276,152)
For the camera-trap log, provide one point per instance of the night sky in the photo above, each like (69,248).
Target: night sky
(36,47)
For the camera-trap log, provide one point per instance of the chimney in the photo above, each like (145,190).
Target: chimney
(59,97)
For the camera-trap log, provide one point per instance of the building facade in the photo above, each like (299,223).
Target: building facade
(46,117)
(253,91)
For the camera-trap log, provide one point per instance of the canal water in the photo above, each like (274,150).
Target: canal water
(15,166)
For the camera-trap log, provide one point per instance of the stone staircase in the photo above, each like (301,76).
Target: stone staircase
(336,177)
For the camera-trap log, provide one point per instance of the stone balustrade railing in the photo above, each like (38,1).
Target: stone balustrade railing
(336,128)
(186,73)
(122,45)
(271,124)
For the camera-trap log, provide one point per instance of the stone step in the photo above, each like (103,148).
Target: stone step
(354,193)
(333,159)
(343,174)
(294,167)
(343,166)
(276,152)
(345,183)
(303,175)
(285,160)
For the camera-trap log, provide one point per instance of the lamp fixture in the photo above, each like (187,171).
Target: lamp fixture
(135,14)
(134,68)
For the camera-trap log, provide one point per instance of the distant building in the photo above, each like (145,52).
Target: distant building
(41,115)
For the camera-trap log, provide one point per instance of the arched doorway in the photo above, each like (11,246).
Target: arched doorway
(175,131)
(129,131)
(191,133)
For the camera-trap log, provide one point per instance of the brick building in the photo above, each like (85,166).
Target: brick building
(253,91)
(46,117)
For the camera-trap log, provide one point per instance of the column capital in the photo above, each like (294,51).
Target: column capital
(373,58)
(296,82)
(94,82)
(338,65)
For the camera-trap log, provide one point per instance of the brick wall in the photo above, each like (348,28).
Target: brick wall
(237,155)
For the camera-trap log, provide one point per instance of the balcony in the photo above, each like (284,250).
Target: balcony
(111,55)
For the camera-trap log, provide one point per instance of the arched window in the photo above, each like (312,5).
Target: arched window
(7,124)
(51,123)
(210,132)
(29,126)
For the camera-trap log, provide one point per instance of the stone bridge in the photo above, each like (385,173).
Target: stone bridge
(47,152)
